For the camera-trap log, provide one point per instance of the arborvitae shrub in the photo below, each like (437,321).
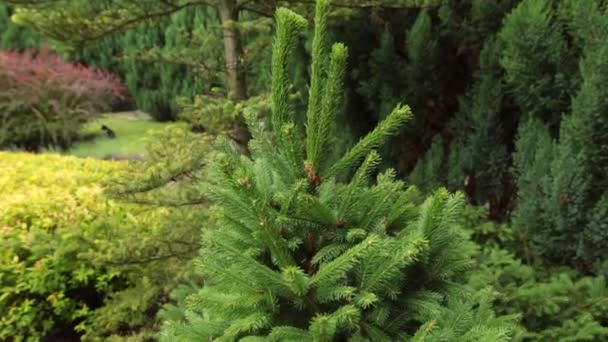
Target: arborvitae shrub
(179,57)
(386,77)
(562,192)
(144,85)
(422,59)
(479,156)
(534,151)
(580,167)
(160,61)
(406,71)
(308,248)
(44,100)
(535,56)
(584,21)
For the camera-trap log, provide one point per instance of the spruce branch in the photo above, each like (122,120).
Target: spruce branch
(289,26)
(297,280)
(323,328)
(404,251)
(255,274)
(252,323)
(285,333)
(333,101)
(317,80)
(359,181)
(345,262)
(385,129)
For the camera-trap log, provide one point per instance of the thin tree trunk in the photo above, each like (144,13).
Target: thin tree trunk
(233,50)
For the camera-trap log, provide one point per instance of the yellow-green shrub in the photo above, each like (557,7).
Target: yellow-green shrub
(48,202)
(47,191)
(73,262)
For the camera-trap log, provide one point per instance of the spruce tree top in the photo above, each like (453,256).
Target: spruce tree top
(307,248)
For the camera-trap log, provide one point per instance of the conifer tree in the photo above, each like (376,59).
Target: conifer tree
(145,86)
(386,77)
(423,59)
(537,63)
(411,76)
(479,157)
(309,248)
(581,165)
(534,151)
(562,187)
(77,20)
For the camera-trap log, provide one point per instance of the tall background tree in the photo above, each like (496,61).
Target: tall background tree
(78,21)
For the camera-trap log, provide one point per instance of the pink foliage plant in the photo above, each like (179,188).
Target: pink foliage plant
(44,100)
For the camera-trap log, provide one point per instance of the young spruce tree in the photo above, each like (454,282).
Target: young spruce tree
(310,249)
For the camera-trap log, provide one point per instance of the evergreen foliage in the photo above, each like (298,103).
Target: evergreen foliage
(382,92)
(14,37)
(538,70)
(534,152)
(580,167)
(481,157)
(472,22)
(175,57)
(554,303)
(162,61)
(309,237)
(410,76)
(584,21)
(422,59)
(145,87)
(561,186)
(480,121)
(428,174)
(298,254)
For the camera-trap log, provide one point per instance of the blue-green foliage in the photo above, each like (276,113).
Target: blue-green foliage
(423,57)
(413,77)
(562,187)
(538,66)
(145,86)
(534,151)
(382,92)
(479,157)
(581,165)
(480,127)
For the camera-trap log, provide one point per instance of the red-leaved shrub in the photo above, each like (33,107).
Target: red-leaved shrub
(44,100)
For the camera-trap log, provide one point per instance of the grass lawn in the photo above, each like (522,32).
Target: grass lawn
(130,131)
